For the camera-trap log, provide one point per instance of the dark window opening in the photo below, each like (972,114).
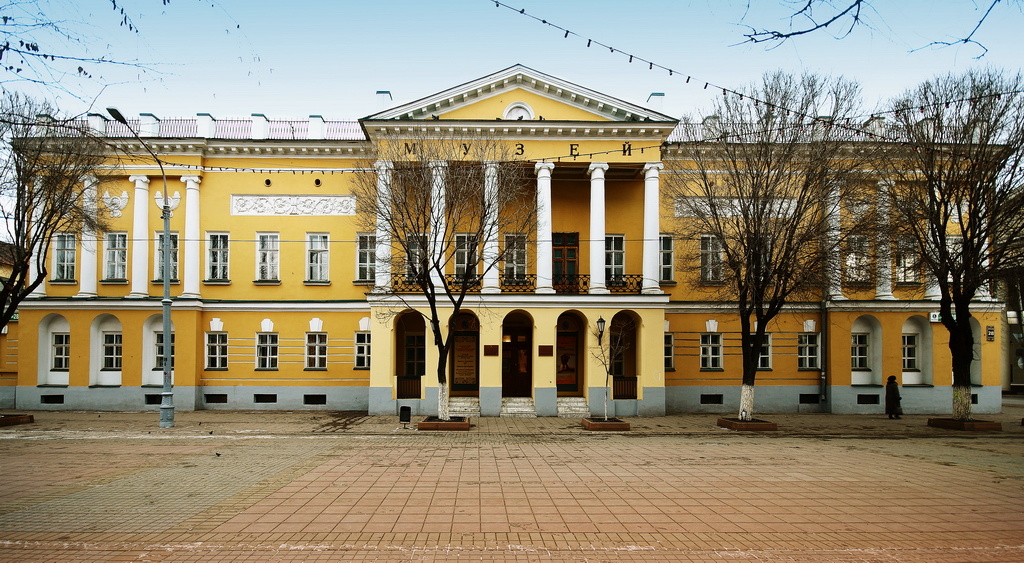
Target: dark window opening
(215,397)
(153,399)
(264,398)
(314,399)
(867,399)
(810,398)
(711,399)
(51,399)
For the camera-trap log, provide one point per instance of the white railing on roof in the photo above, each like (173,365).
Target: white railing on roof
(277,129)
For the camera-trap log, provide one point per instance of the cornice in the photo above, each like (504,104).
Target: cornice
(515,130)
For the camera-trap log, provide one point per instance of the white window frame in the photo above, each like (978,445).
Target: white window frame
(711,261)
(362,350)
(858,259)
(515,256)
(366,257)
(416,257)
(764,356)
(666,258)
(907,261)
(218,257)
(807,350)
(158,263)
(415,360)
(711,350)
(267,350)
(112,347)
(318,257)
(614,257)
(216,350)
(115,256)
(669,348)
(268,256)
(911,346)
(316,350)
(158,358)
(467,254)
(60,351)
(860,351)
(64,256)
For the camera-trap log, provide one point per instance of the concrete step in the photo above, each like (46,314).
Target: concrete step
(573,407)
(518,407)
(464,406)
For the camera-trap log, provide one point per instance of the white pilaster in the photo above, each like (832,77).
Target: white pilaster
(87,275)
(834,272)
(193,251)
(140,238)
(652,227)
(490,247)
(597,232)
(883,267)
(39,254)
(932,292)
(382,265)
(543,170)
(438,226)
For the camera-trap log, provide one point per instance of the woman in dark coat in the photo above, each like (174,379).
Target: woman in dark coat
(892,398)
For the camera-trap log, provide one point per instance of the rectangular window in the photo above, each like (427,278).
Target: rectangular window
(710,258)
(906,261)
(764,357)
(366,257)
(416,257)
(63,256)
(711,351)
(670,361)
(807,351)
(858,260)
(859,350)
(909,352)
(267,257)
(266,350)
(317,257)
(466,258)
(160,351)
(159,266)
(666,258)
(316,350)
(515,256)
(362,350)
(614,257)
(415,354)
(112,350)
(216,350)
(217,257)
(61,351)
(115,252)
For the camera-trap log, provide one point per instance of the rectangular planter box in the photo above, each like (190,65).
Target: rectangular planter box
(950,424)
(432,423)
(753,425)
(602,424)
(12,419)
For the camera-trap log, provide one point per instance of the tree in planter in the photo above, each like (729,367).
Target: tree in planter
(958,195)
(45,163)
(760,189)
(446,210)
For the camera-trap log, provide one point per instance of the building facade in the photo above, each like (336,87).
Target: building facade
(280,301)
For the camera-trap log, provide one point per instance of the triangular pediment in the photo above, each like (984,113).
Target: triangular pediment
(519,93)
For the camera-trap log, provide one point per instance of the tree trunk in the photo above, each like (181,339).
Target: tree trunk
(442,401)
(961,347)
(962,403)
(746,403)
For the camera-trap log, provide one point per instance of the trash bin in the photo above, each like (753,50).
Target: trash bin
(405,415)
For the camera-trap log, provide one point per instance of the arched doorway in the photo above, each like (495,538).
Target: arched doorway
(517,355)
(464,361)
(411,354)
(569,342)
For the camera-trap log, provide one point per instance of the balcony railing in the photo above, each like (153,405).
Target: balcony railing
(625,283)
(623,387)
(517,283)
(564,284)
(570,284)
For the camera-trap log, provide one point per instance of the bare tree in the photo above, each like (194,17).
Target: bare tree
(759,186)
(958,196)
(621,338)
(439,201)
(44,162)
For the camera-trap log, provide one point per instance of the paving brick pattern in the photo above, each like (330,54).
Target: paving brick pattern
(339,486)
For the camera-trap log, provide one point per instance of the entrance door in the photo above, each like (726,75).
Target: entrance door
(567,362)
(516,361)
(564,256)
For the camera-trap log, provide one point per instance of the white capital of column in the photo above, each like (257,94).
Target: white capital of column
(88,274)
(597,232)
(382,263)
(140,237)
(192,273)
(652,227)
(490,247)
(543,170)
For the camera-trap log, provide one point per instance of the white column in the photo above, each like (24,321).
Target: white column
(438,226)
(87,275)
(382,265)
(652,227)
(597,233)
(193,236)
(39,256)
(932,292)
(140,238)
(883,268)
(543,170)
(490,242)
(834,272)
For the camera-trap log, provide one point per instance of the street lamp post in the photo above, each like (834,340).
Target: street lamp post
(167,395)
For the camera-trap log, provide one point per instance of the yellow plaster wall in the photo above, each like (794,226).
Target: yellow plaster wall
(494,107)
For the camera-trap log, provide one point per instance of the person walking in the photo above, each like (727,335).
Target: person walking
(892,398)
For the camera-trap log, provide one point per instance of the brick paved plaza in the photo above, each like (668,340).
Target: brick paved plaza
(241,486)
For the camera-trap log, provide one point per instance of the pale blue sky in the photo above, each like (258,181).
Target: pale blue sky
(293,59)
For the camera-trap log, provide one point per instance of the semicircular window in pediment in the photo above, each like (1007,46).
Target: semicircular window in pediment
(518,110)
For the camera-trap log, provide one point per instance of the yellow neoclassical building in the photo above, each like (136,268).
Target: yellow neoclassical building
(280,302)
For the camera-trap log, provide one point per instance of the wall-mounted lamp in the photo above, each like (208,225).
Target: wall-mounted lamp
(600,329)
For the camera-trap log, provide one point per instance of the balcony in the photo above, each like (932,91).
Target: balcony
(563,284)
